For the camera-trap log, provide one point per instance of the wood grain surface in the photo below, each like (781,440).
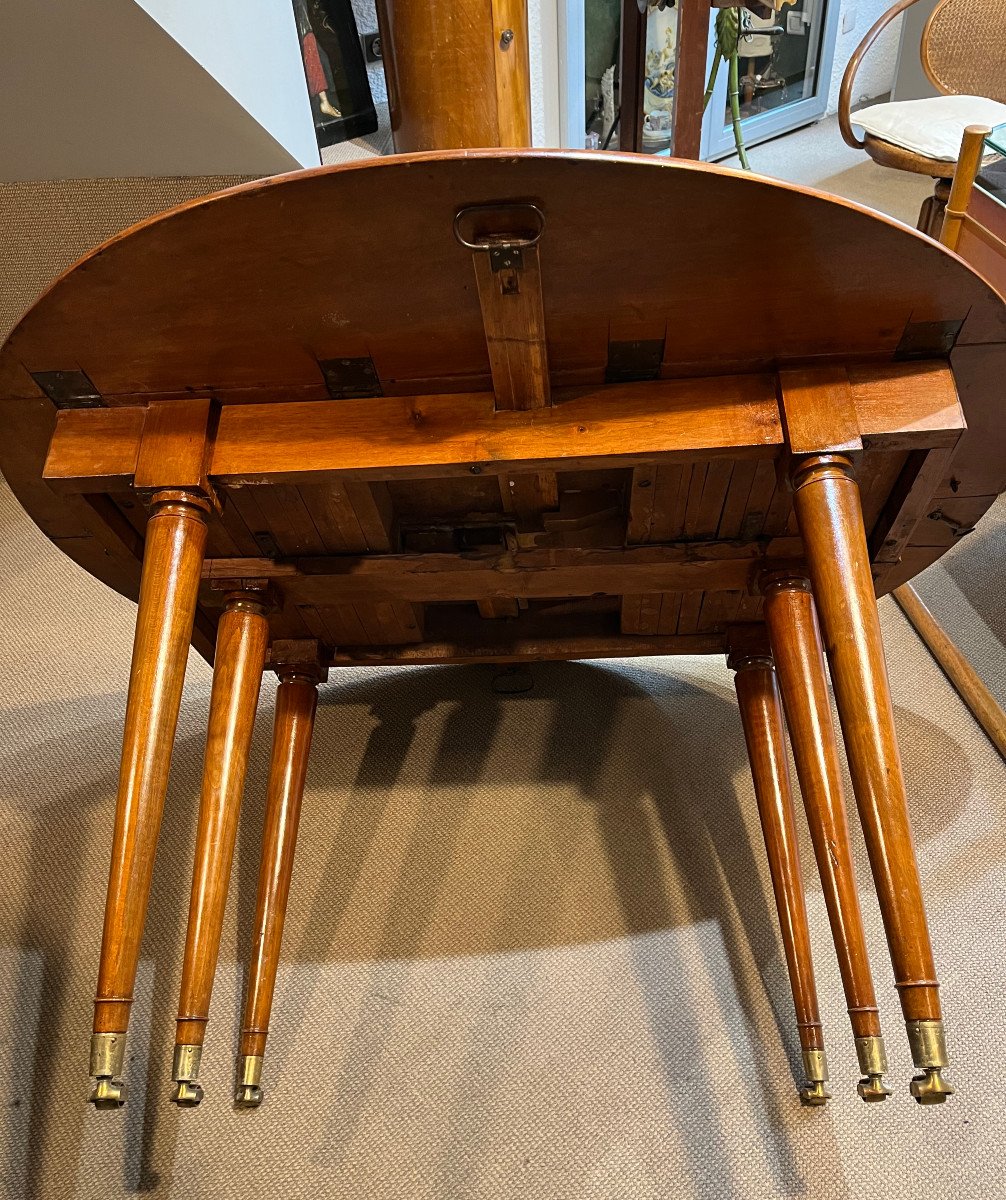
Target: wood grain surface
(224,346)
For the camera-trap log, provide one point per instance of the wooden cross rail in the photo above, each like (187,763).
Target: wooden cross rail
(527,574)
(903,406)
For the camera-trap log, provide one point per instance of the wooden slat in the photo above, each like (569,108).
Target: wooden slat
(517,649)
(877,475)
(908,504)
(389,437)
(351,517)
(714,491)
(688,614)
(763,488)
(527,574)
(719,609)
(389,623)
(735,502)
(497,607)
(693,501)
(280,513)
(527,495)
(514,320)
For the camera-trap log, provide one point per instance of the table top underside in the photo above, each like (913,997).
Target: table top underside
(627,510)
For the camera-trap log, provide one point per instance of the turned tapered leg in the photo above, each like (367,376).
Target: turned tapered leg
(761,714)
(172,562)
(799,660)
(296,699)
(830,515)
(242,640)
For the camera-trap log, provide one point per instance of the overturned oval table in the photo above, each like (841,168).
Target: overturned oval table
(501,407)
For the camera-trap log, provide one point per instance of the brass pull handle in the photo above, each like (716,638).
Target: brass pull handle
(499,226)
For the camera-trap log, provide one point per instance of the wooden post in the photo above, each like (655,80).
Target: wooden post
(761,714)
(172,561)
(459,78)
(242,638)
(830,516)
(690,77)
(299,672)
(796,648)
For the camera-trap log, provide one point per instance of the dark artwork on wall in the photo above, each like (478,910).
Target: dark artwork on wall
(336,74)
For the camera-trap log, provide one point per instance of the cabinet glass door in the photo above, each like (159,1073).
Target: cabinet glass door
(784,74)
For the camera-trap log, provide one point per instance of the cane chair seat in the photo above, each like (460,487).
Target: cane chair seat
(924,136)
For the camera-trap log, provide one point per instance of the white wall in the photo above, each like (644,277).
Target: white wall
(876,75)
(98,89)
(251,48)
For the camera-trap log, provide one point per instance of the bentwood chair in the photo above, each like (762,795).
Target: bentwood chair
(963,57)
(455,408)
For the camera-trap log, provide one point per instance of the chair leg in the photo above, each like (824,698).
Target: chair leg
(799,658)
(296,700)
(830,516)
(172,562)
(761,715)
(242,640)
(933,208)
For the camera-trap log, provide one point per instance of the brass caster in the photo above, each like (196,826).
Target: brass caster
(108,1053)
(184,1073)
(872,1089)
(872,1057)
(813,1094)
(187,1094)
(929,1052)
(930,1087)
(815,1066)
(108,1094)
(248,1093)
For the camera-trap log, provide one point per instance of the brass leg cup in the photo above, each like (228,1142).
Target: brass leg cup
(929,1052)
(815,1068)
(108,1053)
(872,1057)
(248,1093)
(185,1072)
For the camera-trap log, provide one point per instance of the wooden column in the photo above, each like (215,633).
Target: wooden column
(761,714)
(799,658)
(631,70)
(173,557)
(830,516)
(242,639)
(299,673)
(458,74)
(690,77)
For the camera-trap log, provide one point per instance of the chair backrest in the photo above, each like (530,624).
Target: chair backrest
(962,48)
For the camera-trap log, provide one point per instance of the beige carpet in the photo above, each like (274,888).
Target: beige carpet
(531,949)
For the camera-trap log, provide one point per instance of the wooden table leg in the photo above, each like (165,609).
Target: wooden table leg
(831,524)
(799,658)
(761,714)
(172,561)
(296,700)
(242,641)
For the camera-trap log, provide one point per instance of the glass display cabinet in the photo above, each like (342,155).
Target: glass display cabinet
(785,74)
(645,65)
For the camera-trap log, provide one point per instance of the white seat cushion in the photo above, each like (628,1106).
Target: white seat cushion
(932,127)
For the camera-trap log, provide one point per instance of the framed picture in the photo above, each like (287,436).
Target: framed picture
(335,71)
